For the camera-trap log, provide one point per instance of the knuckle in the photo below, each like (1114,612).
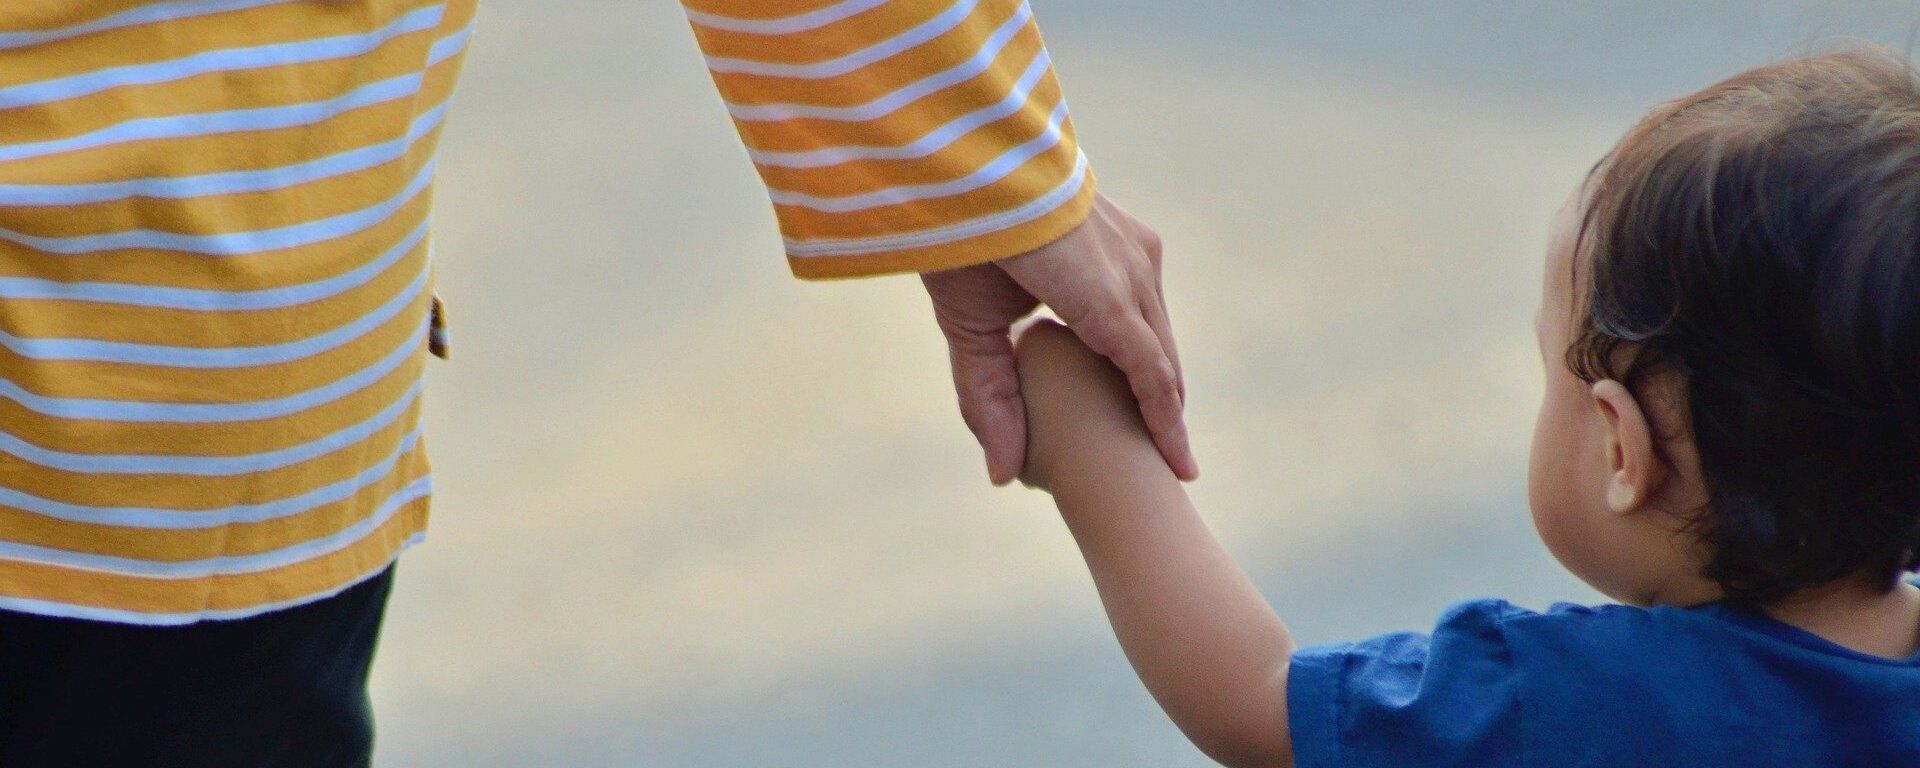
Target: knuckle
(1157,384)
(999,391)
(1152,245)
(979,408)
(1160,392)
(972,417)
(1097,330)
(1108,306)
(1104,337)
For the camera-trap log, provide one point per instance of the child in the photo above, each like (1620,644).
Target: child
(1728,444)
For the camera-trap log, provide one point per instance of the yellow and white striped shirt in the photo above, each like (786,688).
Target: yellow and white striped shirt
(215,279)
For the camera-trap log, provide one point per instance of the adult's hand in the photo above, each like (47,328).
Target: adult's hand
(1103,280)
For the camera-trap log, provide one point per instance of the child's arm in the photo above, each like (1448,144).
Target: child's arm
(1196,631)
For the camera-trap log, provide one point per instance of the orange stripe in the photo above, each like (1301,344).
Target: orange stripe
(128,381)
(266,25)
(43,15)
(905,124)
(879,78)
(324,573)
(34,581)
(253,271)
(834,40)
(761,9)
(46,318)
(978,250)
(190,492)
(965,155)
(175,545)
(1029,181)
(215,92)
(215,153)
(251,150)
(231,438)
(459,13)
(222,214)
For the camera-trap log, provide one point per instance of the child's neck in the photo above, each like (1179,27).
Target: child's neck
(1858,617)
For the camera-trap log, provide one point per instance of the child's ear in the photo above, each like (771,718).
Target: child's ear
(1634,468)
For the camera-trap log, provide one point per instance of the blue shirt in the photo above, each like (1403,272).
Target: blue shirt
(1497,686)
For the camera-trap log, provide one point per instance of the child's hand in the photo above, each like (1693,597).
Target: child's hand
(1079,409)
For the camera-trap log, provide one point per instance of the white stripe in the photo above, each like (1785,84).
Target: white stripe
(227,564)
(138,412)
(995,170)
(447,46)
(118,616)
(934,141)
(211,466)
(207,299)
(1008,219)
(90,350)
(230,59)
(785,26)
(979,62)
(227,183)
(234,243)
(150,14)
(214,123)
(200,519)
(928,30)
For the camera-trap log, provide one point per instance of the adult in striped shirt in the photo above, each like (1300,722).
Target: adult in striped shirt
(216,301)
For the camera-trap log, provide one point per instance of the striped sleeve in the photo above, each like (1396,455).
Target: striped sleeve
(898,135)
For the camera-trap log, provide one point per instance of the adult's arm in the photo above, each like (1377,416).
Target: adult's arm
(932,136)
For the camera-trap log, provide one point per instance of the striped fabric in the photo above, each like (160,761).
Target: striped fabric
(898,135)
(216,291)
(214,298)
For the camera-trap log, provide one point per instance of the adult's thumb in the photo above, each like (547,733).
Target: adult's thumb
(988,385)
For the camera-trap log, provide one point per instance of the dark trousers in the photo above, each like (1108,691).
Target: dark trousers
(280,690)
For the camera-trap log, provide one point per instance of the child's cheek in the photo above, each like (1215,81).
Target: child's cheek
(1556,491)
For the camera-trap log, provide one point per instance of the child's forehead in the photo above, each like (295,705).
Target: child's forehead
(1570,222)
(1562,234)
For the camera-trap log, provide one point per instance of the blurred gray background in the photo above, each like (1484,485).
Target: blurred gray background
(695,513)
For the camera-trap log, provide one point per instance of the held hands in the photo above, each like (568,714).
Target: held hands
(1103,279)
(1079,409)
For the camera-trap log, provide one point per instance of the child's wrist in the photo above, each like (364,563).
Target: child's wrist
(1079,410)
(1044,446)
(1084,448)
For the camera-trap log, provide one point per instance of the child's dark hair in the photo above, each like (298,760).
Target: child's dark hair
(1760,239)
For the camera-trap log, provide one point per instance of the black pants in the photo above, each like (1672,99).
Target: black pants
(279,690)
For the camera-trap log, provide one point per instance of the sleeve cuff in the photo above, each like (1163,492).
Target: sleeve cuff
(978,241)
(1313,705)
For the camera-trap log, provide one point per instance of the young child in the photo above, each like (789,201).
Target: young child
(1728,444)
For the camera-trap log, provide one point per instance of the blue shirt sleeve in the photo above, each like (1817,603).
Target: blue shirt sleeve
(1446,699)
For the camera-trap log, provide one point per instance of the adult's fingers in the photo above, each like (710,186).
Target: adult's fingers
(1167,423)
(1103,280)
(1163,327)
(1134,347)
(1148,290)
(985,377)
(1153,309)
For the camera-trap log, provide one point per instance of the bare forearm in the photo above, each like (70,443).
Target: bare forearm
(1196,631)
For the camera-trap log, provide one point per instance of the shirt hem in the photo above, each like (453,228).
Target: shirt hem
(59,610)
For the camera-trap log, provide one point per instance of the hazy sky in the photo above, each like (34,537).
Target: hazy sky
(693,512)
